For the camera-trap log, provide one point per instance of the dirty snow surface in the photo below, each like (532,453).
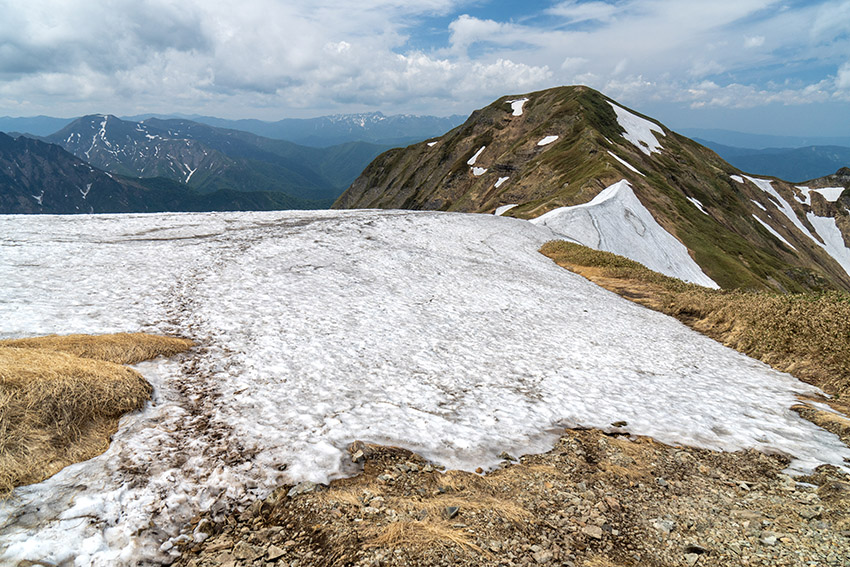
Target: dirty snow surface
(616,221)
(445,333)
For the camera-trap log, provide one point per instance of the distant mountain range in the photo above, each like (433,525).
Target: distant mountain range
(793,164)
(210,159)
(39,177)
(762,141)
(323,131)
(600,174)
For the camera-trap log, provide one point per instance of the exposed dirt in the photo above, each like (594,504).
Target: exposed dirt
(594,500)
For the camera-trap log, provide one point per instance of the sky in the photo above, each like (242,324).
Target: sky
(762,66)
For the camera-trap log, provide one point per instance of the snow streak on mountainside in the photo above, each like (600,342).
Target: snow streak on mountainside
(616,221)
(448,334)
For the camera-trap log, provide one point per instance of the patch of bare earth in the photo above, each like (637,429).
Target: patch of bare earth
(61,398)
(594,500)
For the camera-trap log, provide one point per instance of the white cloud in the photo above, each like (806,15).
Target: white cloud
(753,41)
(274,58)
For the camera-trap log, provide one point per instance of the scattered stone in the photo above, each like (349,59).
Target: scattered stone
(304,487)
(543,556)
(505,456)
(768,540)
(663,525)
(594,532)
(451,511)
(619,424)
(274,552)
(691,559)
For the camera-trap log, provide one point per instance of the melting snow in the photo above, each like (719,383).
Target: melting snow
(616,221)
(759,205)
(516,105)
(833,241)
(547,140)
(766,186)
(697,204)
(624,162)
(831,194)
(479,171)
(737,178)
(500,182)
(773,232)
(313,337)
(471,160)
(503,209)
(432,144)
(638,130)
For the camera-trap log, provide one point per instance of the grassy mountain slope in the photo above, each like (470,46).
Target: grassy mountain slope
(730,245)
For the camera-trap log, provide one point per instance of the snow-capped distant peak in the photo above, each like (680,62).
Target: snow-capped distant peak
(638,131)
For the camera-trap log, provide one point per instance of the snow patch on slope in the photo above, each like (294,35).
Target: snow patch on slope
(501,181)
(737,178)
(471,161)
(639,131)
(772,231)
(516,106)
(476,347)
(696,202)
(833,241)
(479,171)
(624,162)
(783,206)
(831,194)
(616,221)
(503,209)
(547,140)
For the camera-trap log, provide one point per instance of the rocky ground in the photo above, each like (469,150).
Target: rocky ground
(595,500)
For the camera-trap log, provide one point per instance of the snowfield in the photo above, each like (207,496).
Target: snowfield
(616,221)
(448,334)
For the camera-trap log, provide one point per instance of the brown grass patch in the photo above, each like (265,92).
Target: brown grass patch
(415,536)
(58,408)
(121,348)
(806,335)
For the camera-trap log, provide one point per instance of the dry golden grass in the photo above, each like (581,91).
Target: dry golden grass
(416,536)
(121,348)
(57,408)
(807,335)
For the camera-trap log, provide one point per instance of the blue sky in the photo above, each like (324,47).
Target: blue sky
(780,67)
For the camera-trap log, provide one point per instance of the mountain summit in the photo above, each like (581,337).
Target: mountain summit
(559,157)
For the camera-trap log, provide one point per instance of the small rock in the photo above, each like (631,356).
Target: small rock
(768,540)
(479,470)
(594,532)
(451,511)
(274,552)
(506,456)
(661,482)
(811,513)
(691,559)
(358,457)
(543,556)
(166,546)
(663,525)
(246,551)
(619,424)
(301,488)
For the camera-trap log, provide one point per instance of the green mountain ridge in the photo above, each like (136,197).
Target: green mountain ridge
(728,241)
